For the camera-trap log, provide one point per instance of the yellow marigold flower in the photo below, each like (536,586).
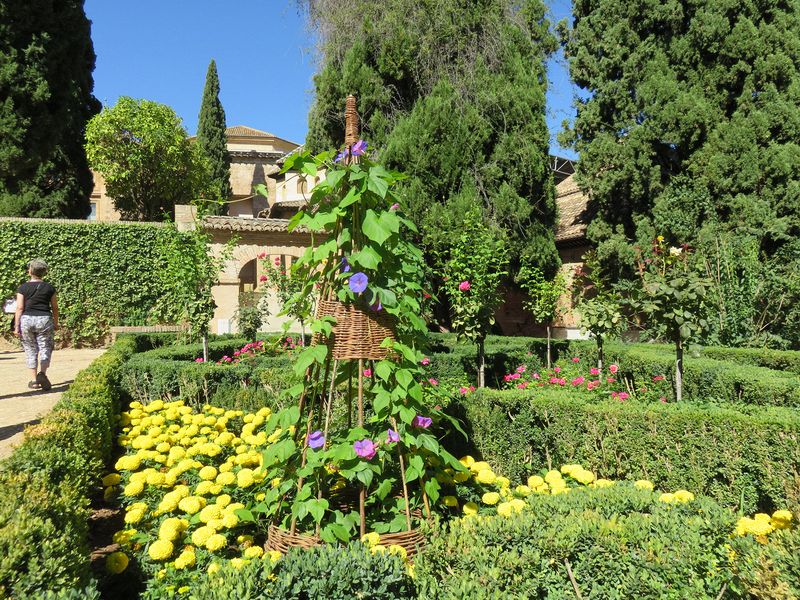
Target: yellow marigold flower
(667,497)
(108,493)
(212,568)
(116,562)
(163,447)
(486,476)
(170,529)
(450,501)
(644,484)
(781,519)
(371,539)
(185,559)
(517,504)
(274,555)
(660,238)
(535,481)
(191,504)
(522,490)
(155,478)
(216,542)
(226,478)
(552,476)
(502,482)
(253,552)
(399,551)
(504,509)
(134,488)
(470,508)
(201,534)
(207,473)
(570,469)
(203,488)
(111,479)
(685,496)
(461,476)
(183,589)
(168,503)
(245,540)
(603,483)
(134,516)
(161,550)
(230,520)
(211,512)
(244,478)
(490,498)
(223,500)
(237,563)
(477,467)
(583,476)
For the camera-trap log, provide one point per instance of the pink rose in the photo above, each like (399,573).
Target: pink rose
(578,381)
(557,370)
(594,371)
(463,391)
(464,286)
(263,278)
(521,369)
(613,369)
(536,376)
(575,359)
(425,361)
(367,372)
(198,360)
(433,381)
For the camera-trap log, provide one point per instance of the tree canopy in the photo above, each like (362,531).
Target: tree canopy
(213,141)
(146,158)
(46,64)
(452,93)
(691,131)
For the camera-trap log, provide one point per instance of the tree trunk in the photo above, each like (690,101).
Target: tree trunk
(600,354)
(302,333)
(679,369)
(205,347)
(481,364)
(549,354)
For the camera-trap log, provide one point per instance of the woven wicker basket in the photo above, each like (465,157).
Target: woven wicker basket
(358,333)
(283,541)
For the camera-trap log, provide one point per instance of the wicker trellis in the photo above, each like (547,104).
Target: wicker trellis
(357,339)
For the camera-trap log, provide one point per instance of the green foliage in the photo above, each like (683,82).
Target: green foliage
(770,571)
(330,572)
(287,288)
(214,143)
(734,457)
(46,86)
(543,294)
(436,108)
(148,163)
(616,542)
(689,129)
(105,274)
(249,319)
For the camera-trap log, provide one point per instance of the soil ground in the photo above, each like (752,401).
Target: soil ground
(20,406)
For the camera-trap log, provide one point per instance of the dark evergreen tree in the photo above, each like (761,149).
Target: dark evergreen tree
(452,93)
(692,131)
(212,139)
(46,64)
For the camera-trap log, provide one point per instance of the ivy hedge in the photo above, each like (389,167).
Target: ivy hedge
(745,460)
(106,274)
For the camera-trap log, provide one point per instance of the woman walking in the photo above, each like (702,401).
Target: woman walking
(36,321)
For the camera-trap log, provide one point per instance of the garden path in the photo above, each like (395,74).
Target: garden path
(19,406)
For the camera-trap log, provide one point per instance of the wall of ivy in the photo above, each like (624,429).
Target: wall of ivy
(106,274)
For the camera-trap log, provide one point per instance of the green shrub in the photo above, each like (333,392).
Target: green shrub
(329,572)
(43,532)
(88,593)
(736,458)
(618,542)
(770,571)
(778,360)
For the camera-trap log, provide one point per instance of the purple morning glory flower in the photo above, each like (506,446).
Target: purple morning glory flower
(358,282)
(422,422)
(315,439)
(392,436)
(394,206)
(345,265)
(377,306)
(342,155)
(359,148)
(365,448)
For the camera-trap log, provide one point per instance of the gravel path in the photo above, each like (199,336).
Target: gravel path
(20,406)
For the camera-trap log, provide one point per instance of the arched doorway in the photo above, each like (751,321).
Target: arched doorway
(248,280)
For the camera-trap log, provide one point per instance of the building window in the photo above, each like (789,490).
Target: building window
(302,186)
(93,213)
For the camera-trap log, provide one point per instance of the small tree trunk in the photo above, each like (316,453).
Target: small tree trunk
(481,364)
(302,333)
(678,369)
(549,354)
(205,347)
(600,353)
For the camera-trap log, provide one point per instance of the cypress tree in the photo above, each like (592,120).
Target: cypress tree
(212,139)
(691,131)
(47,59)
(452,93)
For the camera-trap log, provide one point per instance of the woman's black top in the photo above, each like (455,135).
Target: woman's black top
(37,298)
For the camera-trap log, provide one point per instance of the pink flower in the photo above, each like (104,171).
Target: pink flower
(575,359)
(515,376)
(367,372)
(594,371)
(521,369)
(262,278)
(422,422)
(593,384)
(433,381)
(199,359)
(237,353)
(425,361)
(262,255)
(472,388)
(536,376)
(522,385)
(507,378)
(578,381)
(557,370)
(277,261)
(392,437)
(663,399)
(464,286)
(610,379)
(613,369)
(365,449)
(658,378)
(394,206)
(463,391)
(614,394)
(623,396)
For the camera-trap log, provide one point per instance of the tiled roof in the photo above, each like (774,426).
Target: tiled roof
(249,225)
(245,131)
(571,204)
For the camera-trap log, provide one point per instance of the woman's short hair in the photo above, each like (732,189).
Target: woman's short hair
(38,268)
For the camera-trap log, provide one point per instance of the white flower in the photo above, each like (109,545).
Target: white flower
(675,251)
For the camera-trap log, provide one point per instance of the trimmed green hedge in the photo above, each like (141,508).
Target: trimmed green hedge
(750,460)
(779,360)
(46,483)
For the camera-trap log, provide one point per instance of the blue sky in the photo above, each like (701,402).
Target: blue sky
(160,50)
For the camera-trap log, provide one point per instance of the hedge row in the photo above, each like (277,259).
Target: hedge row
(46,483)
(746,460)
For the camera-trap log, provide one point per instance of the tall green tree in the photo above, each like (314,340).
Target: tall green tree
(453,93)
(212,139)
(690,129)
(145,156)
(46,64)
